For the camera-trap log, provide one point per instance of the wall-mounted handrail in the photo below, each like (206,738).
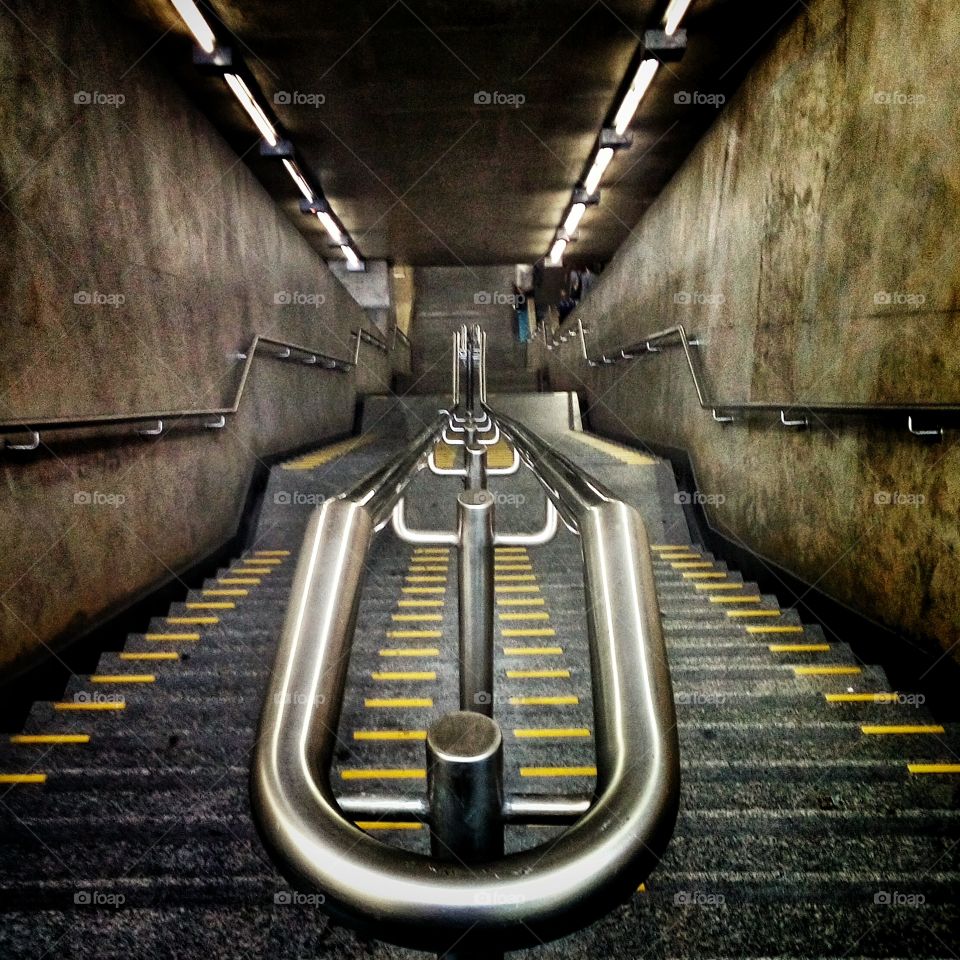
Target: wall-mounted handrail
(215,416)
(677,336)
(545,892)
(365,336)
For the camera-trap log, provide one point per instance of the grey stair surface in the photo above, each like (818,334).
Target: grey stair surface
(800,835)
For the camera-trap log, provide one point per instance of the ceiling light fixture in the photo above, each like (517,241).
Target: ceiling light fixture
(574,217)
(254,110)
(353,261)
(297,178)
(556,251)
(674,15)
(330,225)
(600,164)
(641,83)
(199,27)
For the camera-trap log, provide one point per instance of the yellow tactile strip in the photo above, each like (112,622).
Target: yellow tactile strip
(499,456)
(318,458)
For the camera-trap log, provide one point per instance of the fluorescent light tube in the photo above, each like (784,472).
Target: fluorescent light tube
(600,164)
(330,225)
(556,251)
(352,259)
(243,94)
(297,177)
(574,217)
(674,15)
(640,85)
(193,18)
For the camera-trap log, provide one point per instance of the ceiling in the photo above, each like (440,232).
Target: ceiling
(418,171)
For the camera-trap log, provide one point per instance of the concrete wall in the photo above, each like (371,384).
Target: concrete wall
(446,298)
(811,240)
(137,201)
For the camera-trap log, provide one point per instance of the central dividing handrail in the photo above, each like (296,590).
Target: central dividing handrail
(509,901)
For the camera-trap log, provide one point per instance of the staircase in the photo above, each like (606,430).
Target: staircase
(819,806)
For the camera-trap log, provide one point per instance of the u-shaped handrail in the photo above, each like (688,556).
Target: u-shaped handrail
(545,892)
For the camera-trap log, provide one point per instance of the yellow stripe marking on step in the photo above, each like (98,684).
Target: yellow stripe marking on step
(528,631)
(23,778)
(396,773)
(507,577)
(933,767)
(389,734)
(901,730)
(438,553)
(861,697)
(544,701)
(513,566)
(318,458)
(404,675)
(798,647)
(225,593)
(545,733)
(417,578)
(251,571)
(265,561)
(251,581)
(212,605)
(734,599)
(538,674)
(719,586)
(192,637)
(123,678)
(532,651)
(753,613)
(415,634)
(387,702)
(416,617)
(699,565)
(410,652)
(159,655)
(788,629)
(26,739)
(500,588)
(428,568)
(93,705)
(420,603)
(558,771)
(826,671)
(271,553)
(621,453)
(539,615)
(704,576)
(423,589)
(680,556)
(193,621)
(520,601)
(388,825)
(670,546)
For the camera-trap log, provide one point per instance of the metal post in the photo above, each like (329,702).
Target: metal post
(475,531)
(476,464)
(465,792)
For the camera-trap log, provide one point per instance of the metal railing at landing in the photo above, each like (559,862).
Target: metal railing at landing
(934,416)
(469,895)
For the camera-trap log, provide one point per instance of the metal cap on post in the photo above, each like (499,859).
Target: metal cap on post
(475,530)
(475,456)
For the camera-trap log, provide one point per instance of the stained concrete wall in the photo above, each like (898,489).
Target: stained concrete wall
(139,257)
(810,241)
(446,298)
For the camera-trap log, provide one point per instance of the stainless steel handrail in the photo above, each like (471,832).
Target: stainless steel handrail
(679,336)
(289,351)
(545,892)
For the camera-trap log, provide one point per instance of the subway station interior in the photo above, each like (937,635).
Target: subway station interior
(480,480)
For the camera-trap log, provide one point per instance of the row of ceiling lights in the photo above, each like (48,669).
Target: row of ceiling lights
(613,138)
(314,201)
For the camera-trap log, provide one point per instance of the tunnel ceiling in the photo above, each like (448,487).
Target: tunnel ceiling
(421,173)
